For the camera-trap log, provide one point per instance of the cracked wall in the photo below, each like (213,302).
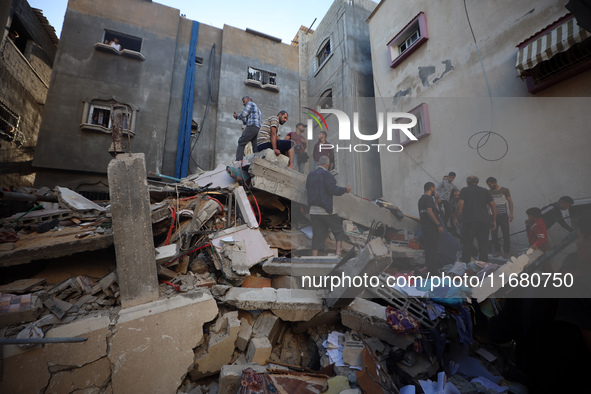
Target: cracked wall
(147,348)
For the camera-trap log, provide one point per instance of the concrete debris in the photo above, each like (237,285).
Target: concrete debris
(187,250)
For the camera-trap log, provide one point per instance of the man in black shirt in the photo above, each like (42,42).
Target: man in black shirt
(552,213)
(474,203)
(431,227)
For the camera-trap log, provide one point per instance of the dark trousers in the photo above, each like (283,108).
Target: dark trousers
(432,246)
(480,231)
(320,226)
(503,223)
(248,135)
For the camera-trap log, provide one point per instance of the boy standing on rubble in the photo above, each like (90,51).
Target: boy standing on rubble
(321,186)
(537,234)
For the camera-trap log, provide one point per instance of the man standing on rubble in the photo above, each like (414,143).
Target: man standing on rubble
(553,213)
(269,137)
(321,186)
(251,118)
(474,202)
(502,198)
(430,227)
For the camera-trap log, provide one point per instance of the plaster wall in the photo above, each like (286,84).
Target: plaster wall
(545,133)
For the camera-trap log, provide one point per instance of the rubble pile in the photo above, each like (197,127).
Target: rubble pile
(241,233)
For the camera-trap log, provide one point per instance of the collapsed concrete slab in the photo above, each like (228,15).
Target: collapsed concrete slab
(517,264)
(369,318)
(289,305)
(291,184)
(245,207)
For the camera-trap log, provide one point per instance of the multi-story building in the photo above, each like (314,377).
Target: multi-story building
(159,80)
(499,88)
(27,50)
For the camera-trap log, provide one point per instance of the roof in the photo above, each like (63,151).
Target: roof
(46,26)
(295,42)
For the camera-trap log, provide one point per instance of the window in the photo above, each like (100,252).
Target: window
(18,34)
(558,52)
(408,40)
(198,61)
(422,128)
(261,79)
(97,117)
(325,101)
(323,54)
(9,123)
(120,44)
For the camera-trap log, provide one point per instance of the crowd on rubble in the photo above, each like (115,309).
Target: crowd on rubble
(545,363)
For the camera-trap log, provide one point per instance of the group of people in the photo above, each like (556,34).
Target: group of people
(265,135)
(477,213)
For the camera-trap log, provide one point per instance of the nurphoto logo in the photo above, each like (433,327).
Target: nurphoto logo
(391,119)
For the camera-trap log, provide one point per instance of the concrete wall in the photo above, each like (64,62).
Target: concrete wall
(241,50)
(83,74)
(25,81)
(347,72)
(546,133)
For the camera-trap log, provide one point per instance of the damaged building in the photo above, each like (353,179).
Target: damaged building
(167,267)
(27,51)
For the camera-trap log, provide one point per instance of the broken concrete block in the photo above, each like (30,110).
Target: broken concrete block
(81,206)
(297,305)
(352,351)
(337,385)
(245,207)
(369,318)
(268,326)
(165,253)
(210,357)
(140,347)
(372,260)
(108,280)
(269,155)
(230,376)
(245,247)
(57,307)
(243,335)
(18,309)
(259,350)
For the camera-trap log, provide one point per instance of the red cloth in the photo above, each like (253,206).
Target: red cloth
(537,234)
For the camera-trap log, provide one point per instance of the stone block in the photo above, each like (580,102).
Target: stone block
(268,326)
(165,253)
(219,350)
(269,155)
(352,351)
(230,376)
(259,350)
(243,335)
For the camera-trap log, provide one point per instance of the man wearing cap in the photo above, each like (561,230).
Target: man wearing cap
(300,156)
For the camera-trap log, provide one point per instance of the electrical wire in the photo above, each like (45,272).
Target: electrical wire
(485,134)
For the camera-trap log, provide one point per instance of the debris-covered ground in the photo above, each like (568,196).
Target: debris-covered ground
(243,235)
